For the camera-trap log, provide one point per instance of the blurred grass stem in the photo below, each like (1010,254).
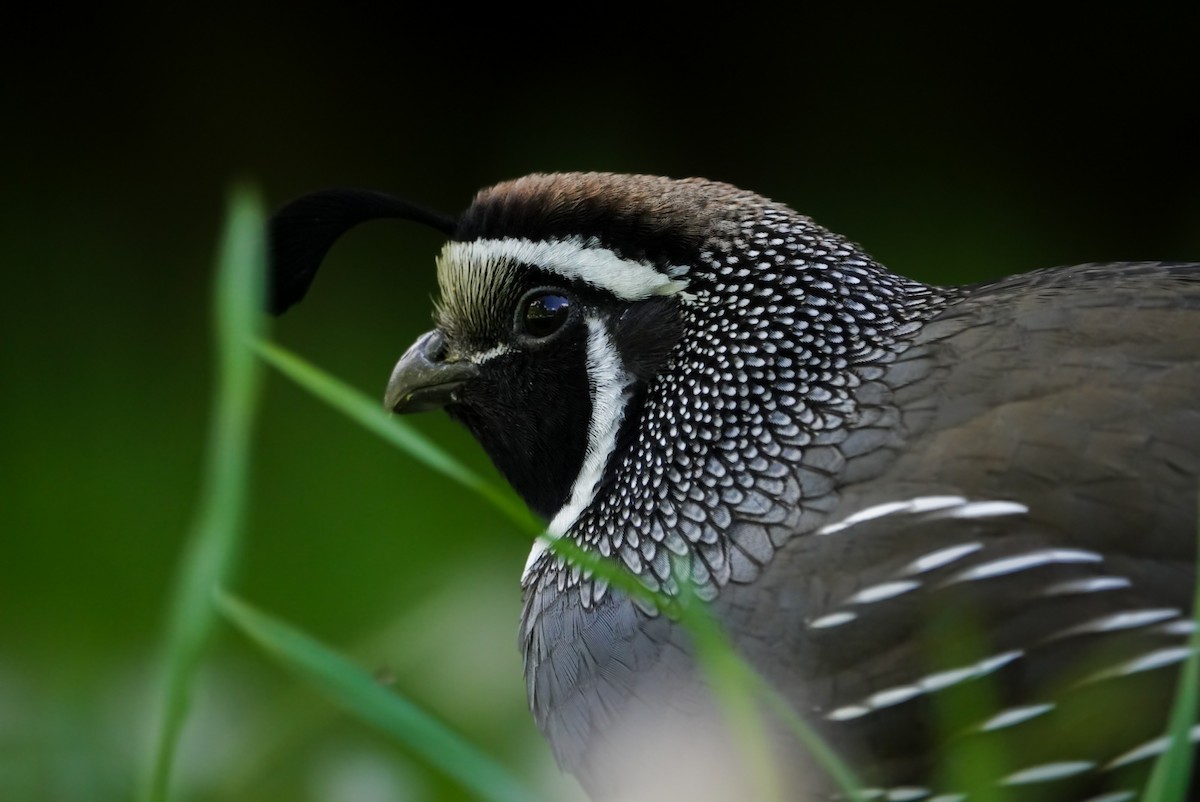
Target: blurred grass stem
(209,555)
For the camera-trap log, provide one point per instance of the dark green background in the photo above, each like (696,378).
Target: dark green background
(953,150)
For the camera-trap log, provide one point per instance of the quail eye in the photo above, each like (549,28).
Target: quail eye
(545,313)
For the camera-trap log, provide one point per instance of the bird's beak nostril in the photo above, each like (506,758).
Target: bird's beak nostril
(434,345)
(422,380)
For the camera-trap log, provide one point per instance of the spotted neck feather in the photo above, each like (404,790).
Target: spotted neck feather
(787,333)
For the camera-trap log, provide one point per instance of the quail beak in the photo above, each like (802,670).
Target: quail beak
(422,380)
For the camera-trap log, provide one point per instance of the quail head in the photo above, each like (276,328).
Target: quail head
(942,522)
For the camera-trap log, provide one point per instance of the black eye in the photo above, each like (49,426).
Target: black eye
(545,314)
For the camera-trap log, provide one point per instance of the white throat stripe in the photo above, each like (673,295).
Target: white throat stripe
(609,383)
(574,260)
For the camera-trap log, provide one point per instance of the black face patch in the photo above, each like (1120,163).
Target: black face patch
(530,407)
(530,410)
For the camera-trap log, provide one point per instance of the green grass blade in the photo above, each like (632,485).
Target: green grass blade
(209,554)
(371,415)
(358,692)
(734,690)
(736,684)
(743,693)
(822,752)
(967,765)
(1172,772)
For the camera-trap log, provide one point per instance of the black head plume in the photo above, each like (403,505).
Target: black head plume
(302,232)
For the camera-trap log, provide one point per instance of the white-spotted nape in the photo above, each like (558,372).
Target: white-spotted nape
(609,383)
(573,259)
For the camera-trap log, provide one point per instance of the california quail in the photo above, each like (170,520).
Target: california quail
(900,499)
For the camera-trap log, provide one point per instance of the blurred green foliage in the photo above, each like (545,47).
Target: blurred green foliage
(951,157)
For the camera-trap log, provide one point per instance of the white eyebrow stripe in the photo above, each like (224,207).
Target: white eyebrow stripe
(1021,562)
(1048,772)
(574,259)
